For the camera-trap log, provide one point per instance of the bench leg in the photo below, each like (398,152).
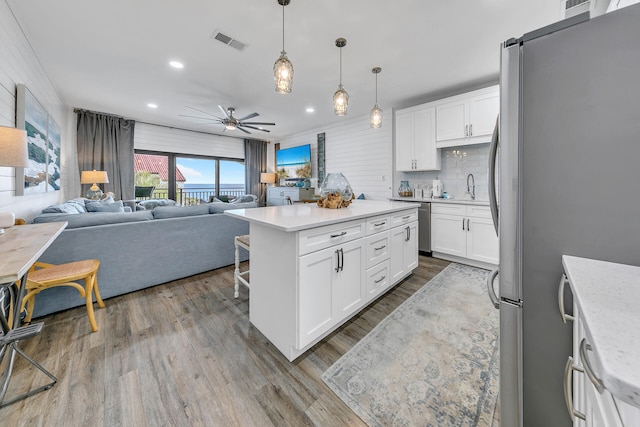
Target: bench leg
(236,272)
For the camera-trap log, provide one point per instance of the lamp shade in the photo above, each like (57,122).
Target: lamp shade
(268,178)
(13,147)
(94,177)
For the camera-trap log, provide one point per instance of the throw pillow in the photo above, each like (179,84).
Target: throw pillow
(111,207)
(67,208)
(94,205)
(247,198)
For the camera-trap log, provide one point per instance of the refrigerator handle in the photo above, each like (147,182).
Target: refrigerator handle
(565,316)
(493,154)
(492,292)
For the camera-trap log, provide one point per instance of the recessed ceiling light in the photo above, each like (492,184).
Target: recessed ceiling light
(310,110)
(176,64)
(151,105)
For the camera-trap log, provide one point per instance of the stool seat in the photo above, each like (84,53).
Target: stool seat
(45,276)
(243,241)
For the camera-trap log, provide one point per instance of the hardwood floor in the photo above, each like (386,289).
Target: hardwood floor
(184,353)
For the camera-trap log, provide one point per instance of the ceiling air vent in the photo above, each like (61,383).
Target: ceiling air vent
(229,41)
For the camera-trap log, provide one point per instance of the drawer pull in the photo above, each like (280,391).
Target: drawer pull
(380,280)
(380,248)
(597,382)
(380,224)
(565,316)
(338,235)
(568,388)
(406,217)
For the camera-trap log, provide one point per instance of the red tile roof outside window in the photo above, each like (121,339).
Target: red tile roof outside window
(157,165)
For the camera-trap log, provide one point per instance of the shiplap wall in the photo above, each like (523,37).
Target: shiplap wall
(362,154)
(171,140)
(19,64)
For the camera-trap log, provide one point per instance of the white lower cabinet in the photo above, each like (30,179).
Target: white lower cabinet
(331,288)
(404,250)
(587,406)
(464,231)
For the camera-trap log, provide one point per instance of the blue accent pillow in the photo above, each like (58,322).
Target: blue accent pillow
(111,207)
(247,198)
(93,205)
(67,208)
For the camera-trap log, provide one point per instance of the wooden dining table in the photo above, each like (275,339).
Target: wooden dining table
(20,248)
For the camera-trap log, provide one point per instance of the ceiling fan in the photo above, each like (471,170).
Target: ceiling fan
(230,122)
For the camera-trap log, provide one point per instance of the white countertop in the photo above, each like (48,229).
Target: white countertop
(302,216)
(454,201)
(608,297)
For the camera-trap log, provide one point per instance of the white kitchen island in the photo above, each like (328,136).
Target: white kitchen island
(313,268)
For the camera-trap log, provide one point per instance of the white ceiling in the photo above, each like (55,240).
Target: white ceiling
(112,56)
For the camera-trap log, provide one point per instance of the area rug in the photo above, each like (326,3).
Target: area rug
(432,362)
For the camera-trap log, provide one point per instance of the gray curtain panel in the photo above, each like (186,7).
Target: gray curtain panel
(105,143)
(255,162)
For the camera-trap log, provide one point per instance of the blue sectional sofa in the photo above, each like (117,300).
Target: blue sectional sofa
(141,249)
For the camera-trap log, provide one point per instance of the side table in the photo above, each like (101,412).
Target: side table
(21,247)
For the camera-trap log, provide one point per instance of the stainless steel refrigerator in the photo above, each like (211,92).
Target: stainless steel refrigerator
(568,166)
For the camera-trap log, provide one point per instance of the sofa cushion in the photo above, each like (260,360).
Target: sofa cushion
(65,208)
(162,212)
(153,203)
(247,198)
(95,205)
(111,207)
(97,218)
(221,207)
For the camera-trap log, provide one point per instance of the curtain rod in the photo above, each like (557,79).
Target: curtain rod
(82,110)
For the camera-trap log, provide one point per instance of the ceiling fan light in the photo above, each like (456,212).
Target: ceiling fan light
(376,117)
(283,74)
(230,126)
(340,102)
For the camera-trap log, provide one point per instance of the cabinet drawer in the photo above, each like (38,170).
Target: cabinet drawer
(449,209)
(315,239)
(377,248)
(377,279)
(377,224)
(479,211)
(404,217)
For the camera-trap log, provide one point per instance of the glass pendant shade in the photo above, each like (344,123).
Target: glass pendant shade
(283,73)
(340,101)
(376,117)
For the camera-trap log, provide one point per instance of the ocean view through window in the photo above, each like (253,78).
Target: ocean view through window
(189,180)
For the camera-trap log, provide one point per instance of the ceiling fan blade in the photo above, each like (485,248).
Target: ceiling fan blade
(226,114)
(258,123)
(200,111)
(198,117)
(250,116)
(252,127)
(243,130)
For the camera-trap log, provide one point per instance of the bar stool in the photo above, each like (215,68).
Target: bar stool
(240,241)
(46,276)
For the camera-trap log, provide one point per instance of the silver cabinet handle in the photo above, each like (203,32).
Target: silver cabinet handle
(471,129)
(466,130)
(462,223)
(406,217)
(338,235)
(468,229)
(380,280)
(568,388)
(408,230)
(380,248)
(597,382)
(380,224)
(565,316)
(492,292)
(337,260)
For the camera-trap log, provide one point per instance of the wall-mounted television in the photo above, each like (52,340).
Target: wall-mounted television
(294,163)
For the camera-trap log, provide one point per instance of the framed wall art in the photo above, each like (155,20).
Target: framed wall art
(43,140)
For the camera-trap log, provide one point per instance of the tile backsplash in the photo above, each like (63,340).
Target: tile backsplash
(457,163)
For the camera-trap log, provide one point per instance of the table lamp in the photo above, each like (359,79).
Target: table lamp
(94,177)
(267,178)
(13,153)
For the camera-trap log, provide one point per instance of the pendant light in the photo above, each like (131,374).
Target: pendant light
(376,112)
(283,68)
(341,97)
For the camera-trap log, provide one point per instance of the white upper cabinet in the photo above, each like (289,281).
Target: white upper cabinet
(468,118)
(416,139)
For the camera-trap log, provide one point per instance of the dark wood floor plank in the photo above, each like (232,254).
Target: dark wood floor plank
(185,353)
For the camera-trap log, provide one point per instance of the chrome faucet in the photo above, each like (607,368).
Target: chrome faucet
(471,188)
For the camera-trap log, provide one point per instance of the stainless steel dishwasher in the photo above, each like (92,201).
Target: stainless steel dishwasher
(424,229)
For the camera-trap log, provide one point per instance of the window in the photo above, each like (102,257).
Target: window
(189,180)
